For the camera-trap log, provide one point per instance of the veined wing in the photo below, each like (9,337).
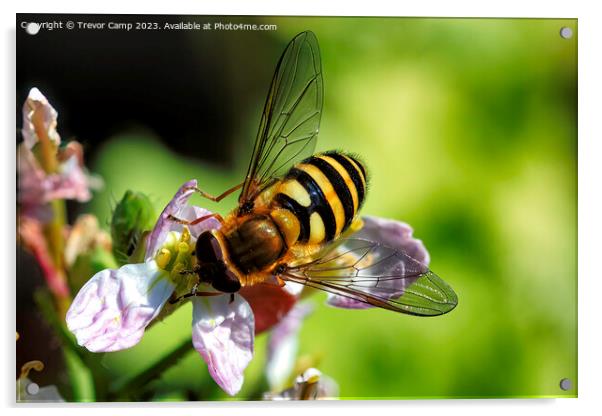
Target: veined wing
(291,117)
(377,275)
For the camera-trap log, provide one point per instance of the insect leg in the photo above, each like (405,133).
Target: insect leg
(277,272)
(189,295)
(216,198)
(196,221)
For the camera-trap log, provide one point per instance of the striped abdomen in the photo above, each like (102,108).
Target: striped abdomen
(324,192)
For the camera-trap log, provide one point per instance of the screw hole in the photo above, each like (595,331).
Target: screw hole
(32,28)
(566,33)
(566,384)
(32,389)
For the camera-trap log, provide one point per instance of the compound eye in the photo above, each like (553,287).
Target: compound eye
(208,249)
(226,282)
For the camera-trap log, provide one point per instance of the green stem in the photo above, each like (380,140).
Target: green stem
(80,377)
(53,231)
(133,385)
(79,366)
(45,306)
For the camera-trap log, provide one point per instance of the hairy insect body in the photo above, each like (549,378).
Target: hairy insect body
(256,243)
(312,205)
(324,193)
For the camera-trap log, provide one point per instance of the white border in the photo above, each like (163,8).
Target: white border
(590,207)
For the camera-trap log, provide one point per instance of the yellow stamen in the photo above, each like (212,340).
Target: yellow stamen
(183,256)
(163,258)
(183,247)
(185,238)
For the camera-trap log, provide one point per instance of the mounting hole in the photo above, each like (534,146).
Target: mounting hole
(566,384)
(32,28)
(566,33)
(32,389)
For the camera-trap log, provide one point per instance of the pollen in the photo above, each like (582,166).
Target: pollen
(176,254)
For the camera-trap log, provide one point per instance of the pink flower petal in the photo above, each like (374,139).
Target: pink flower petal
(269,302)
(70,183)
(223,333)
(394,234)
(178,208)
(37,188)
(112,309)
(346,303)
(190,213)
(36,101)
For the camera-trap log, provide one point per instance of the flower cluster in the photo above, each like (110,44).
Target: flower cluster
(48,174)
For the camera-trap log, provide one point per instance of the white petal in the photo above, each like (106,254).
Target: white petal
(37,100)
(112,309)
(223,333)
(179,208)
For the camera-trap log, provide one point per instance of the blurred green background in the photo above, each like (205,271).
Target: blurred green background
(468,127)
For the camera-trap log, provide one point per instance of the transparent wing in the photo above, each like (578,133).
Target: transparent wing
(291,117)
(377,275)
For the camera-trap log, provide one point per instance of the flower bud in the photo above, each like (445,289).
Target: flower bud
(132,216)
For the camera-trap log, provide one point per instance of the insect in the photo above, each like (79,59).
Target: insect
(297,210)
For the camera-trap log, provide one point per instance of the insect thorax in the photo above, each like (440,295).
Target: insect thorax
(255,243)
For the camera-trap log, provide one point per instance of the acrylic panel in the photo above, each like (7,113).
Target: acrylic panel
(397,214)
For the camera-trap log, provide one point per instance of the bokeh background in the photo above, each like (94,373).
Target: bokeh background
(469,130)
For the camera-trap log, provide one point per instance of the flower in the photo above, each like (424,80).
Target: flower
(45,171)
(84,236)
(310,385)
(270,303)
(393,234)
(46,119)
(112,310)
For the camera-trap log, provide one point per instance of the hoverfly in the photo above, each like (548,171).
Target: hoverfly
(296,211)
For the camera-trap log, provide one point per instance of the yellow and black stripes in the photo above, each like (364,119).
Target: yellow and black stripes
(325,193)
(356,171)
